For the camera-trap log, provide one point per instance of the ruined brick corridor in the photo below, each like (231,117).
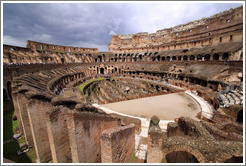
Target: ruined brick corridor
(202,60)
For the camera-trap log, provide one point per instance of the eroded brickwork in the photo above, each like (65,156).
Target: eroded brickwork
(118,144)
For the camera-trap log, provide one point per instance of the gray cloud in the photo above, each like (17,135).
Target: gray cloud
(91,25)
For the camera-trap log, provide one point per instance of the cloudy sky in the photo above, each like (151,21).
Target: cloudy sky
(92,25)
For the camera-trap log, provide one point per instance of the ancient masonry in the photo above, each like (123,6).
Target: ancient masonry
(204,57)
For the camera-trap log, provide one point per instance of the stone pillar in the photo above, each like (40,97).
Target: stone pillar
(17,111)
(21,100)
(84,129)
(155,139)
(36,112)
(173,129)
(118,144)
(58,135)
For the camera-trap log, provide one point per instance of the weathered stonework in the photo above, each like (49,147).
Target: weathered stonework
(58,121)
(118,144)
(84,129)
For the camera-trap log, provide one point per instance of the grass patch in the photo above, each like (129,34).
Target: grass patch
(9,126)
(133,158)
(84,85)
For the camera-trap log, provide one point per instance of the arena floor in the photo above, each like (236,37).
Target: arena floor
(166,107)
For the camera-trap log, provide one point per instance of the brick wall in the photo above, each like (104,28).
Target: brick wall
(84,129)
(118,144)
(58,135)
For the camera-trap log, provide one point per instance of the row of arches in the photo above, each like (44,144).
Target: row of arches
(159,58)
(199,57)
(79,58)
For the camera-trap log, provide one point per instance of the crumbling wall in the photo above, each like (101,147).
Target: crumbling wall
(155,141)
(21,104)
(118,144)
(128,120)
(17,111)
(198,142)
(58,135)
(36,112)
(84,129)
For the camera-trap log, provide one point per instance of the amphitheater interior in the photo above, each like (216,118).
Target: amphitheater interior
(59,93)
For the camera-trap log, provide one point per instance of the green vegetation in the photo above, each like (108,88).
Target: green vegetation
(133,158)
(9,127)
(84,85)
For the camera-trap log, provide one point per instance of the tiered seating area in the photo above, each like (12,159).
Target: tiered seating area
(231,98)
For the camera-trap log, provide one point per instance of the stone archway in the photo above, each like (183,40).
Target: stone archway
(62,60)
(199,57)
(240,116)
(181,157)
(185,58)
(216,57)
(174,58)
(225,56)
(207,57)
(192,57)
(235,159)
(99,58)
(101,70)
(188,149)
(179,58)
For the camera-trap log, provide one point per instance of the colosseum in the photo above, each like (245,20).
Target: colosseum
(174,96)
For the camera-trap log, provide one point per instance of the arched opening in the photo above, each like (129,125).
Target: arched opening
(216,57)
(158,58)
(225,56)
(9,89)
(157,88)
(174,58)
(99,58)
(96,60)
(235,160)
(153,59)
(185,58)
(207,57)
(101,70)
(240,116)
(62,60)
(140,57)
(168,58)
(192,57)
(179,58)
(115,59)
(199,57)
(163,58)
(181,157)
